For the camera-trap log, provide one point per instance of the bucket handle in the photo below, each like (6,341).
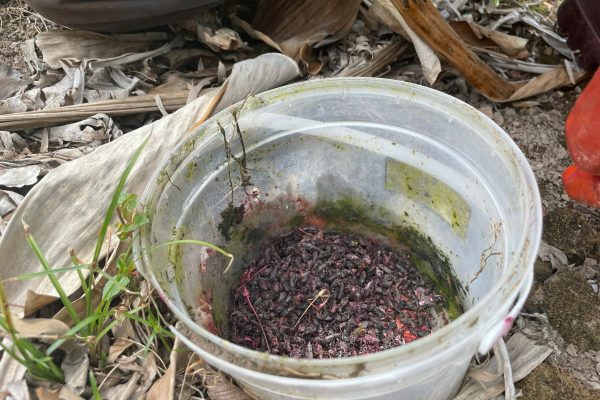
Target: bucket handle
(502,328)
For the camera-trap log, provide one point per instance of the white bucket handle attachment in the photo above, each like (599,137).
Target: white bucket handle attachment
(502,328)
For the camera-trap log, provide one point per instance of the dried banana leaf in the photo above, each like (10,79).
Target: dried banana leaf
(292,24)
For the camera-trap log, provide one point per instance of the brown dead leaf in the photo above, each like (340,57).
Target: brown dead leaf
(35,302)
(479,37)
(40,328)
(75,366)
(293,24)
(425,20)
(308,58)
(381,59)
(117,348)
(220,39)
(80,307)
(487,383)
(66,394)
(123,391)
(179,57)
(386,13)
(57,45)
(546,82)
(222,388)
(43,393)
(164,388)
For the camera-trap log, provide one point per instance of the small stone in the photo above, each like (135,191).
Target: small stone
(571,349)
(487,110)
(510,112)
(593,385)
(498,118)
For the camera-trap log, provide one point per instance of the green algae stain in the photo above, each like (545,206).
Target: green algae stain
(429,191)
(175,256)
(190,170)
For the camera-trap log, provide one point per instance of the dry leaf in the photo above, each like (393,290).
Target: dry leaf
(424,18)
(66,394)
(12,370)
(253,32)
(70,216)
(9,201)
(19,177)
(550,80)
(17,390)
(43,393)
(40,327)
(221,39)
(75,367)
(486,382)
(124,391)
(117,348)
(149,374)
(164,388)
(79,45)
(11,81)
(222,388)
(291,24)
(481,38)
(387,14)
(179,57)
(381,59)
(35,302)
(79,305)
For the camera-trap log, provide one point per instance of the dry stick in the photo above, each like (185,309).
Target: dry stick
(424,18)
(112,108)
(246,296)
(211,107)
(321,293)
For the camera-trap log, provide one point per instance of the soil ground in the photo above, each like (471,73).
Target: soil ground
(569,297)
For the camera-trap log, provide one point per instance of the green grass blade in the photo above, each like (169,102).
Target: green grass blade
(55,283)
(94,385)
(109,216)
(197,243)
(115,201)
(106,329)
(45,273)
(76,262)
(76,329)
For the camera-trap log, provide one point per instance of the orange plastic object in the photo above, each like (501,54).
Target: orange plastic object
(583,128)
(582,186)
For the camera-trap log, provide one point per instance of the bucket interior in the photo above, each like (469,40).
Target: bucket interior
(432,171)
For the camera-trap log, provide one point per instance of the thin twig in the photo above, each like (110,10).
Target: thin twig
(246,296)
(322,292)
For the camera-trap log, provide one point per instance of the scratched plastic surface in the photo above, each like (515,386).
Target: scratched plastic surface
(372,138)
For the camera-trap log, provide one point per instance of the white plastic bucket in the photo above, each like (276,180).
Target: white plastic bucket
(418,157)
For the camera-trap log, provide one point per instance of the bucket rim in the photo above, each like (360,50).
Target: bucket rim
(524,254)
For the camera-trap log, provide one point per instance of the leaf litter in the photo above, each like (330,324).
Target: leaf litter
(519,45)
